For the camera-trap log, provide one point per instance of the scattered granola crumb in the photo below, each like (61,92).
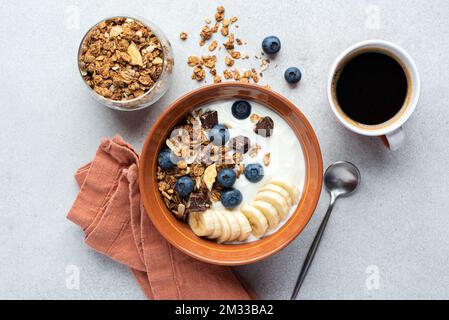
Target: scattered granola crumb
(254,150)
(229,62)
(183,35)
(219,16)
(224,31)
(193,61)
(213,45)
(236,74)
(266,159)
(254,75)
(209,61)
(246,74)
(254,118)
(235,54)
(198,73)
(206,33)
(227,74)
(224,25)
(215,27)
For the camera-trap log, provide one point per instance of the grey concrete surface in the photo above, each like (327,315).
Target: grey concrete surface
(396,226)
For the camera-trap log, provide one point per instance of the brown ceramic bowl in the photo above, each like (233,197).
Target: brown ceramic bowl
(177,232)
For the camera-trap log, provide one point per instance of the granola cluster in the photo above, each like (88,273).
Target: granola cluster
(121,58)
(200,159)
(204,63)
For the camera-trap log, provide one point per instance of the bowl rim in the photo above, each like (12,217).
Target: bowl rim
(315,181)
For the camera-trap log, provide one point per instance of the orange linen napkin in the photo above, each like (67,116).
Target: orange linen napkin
(114,221)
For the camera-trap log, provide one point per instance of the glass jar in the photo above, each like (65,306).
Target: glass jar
(160,86)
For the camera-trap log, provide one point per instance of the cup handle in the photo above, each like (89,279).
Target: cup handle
(394,140)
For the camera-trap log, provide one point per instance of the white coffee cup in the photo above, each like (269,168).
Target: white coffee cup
(392,131)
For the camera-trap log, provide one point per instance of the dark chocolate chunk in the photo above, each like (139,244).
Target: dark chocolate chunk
(209,119)
(198,202)
(240,144)
(264,127)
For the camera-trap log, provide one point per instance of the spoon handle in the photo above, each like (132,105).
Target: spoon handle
(313,249)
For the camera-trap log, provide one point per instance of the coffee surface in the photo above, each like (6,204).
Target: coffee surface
(372,88)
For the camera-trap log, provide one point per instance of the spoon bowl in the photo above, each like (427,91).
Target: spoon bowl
(342,178)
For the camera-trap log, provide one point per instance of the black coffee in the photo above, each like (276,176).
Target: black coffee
(372,88)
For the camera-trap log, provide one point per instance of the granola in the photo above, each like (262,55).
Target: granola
(267,159)
(213,45)
(229,62)
(223,26)
(121,58)
(200,159)
(183,35)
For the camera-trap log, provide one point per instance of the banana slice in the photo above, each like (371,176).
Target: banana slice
(290,188)
(234,224)
(279,190)
(217,226)
(225,228)
(201,223)
(269,212)
(276,200)
(258,222)
(245,227)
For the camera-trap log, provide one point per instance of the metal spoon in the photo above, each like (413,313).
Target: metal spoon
(341,179)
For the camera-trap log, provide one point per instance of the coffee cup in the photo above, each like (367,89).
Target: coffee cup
(373,89)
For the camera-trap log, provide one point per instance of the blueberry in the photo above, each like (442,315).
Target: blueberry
(293,75)
(254,172)
(271,45)
(241,109)
(231,198)
(165,160)
(219,135)
(226,177)
(184,186)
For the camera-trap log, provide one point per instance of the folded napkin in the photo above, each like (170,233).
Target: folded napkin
(109,210)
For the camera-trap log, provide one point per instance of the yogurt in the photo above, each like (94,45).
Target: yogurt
(286,156)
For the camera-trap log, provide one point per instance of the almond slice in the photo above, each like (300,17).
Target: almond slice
(209,176)
(134,53)
(115,31)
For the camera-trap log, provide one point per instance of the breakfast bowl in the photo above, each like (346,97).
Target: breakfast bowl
(125,62)
(183,235)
